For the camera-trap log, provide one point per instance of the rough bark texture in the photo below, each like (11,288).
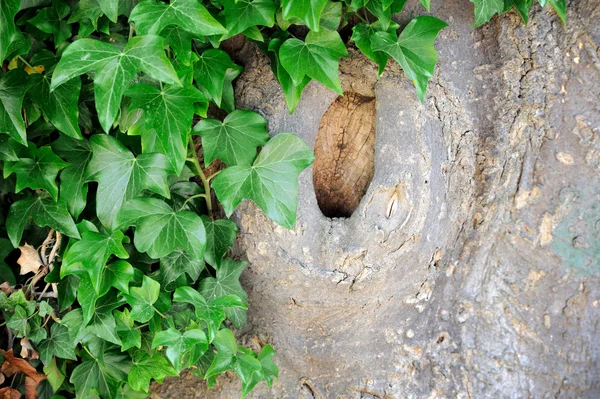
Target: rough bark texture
(484,283)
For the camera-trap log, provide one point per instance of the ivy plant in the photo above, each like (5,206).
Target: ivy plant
(119,146)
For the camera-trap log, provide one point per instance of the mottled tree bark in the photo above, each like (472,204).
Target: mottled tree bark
(484,280)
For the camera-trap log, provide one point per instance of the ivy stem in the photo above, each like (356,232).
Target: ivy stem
(89,353)
(24,61)
(202,176)
(161,315)
(213,175)
(203,195)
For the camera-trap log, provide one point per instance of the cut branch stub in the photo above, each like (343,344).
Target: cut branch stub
(344,154)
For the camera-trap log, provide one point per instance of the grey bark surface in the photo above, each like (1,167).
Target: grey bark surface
(484,283)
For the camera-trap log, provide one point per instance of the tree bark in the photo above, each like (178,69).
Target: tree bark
(471,267)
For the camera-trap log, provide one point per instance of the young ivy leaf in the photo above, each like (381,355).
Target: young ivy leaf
(243,14)
(8,29)
(233,141)
(213,316)
(73,184)
(50,20)
(211,71)
(13,87)
(130,336)
(91,253)
(291,90)
(122,176)
(142,300)
(270,369)
(485,10)
(150,17)
(220,236)
(59,344)
(362,35)
(114,69)
(413,49)
(271,182)
(316,57)
(227,282)
(160,230)
(178,344)
(169,112)
(308,11)
(45,212)
(38,173)
(147,367)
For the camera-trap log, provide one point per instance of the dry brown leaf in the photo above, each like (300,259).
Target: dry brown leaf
(14,364)
(27,350)
(9,393)
(6,288)
(31,388)
(29,260)
(2,378)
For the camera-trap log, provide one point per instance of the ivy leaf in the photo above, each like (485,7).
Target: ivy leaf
(122,176)
(234,140)
(18,321)
(249,370)
(269,367)
(102,323)
(73,184)
(86,13)
(8,148)
(242,14)
(45,212)
(38,173)
(59,344)
(142,300)
(150,17)
(426,4)
(226,282)
(180,42)
(220,236)
(118,274)
(114,69)
(178,344)
(13,87)
(8,29)
(110,8)
(271,182)
(170,112)
(362,35)
(130,336)
(213,316)
(316,57)
(61,106)
(160,230)
(211,70)
(92,252)
(522,7)
(147,367)
(179,262)
(308,11)
(485,10)
(291,90)
(560,6)
(50,20)
(413,49)
(95,374)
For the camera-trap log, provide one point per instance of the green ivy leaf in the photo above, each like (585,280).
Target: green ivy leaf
(38,172)
(86,13)
(114,69)
(413,49)
(8,148)
(147,367)
(271,182)
(179,262)
(13,87)
(73,184)
(308,11)
(170,112)
(211,71)
(249,370)
(220,236)
(122,176)
(102,323)
(18,321)
(269,367)
(485,10)
(362,35)
(160,230)
(59,106)
(142,300)
(45,212)
(180,42)
(522,7)
(316,57)
(98,375)
(118,274)
(55,375)
(59,344)
(50,20)
(91,253)
(178,344)
(110,8)
(130,336)
(242,14)
(213,316)
(227,282)
(8,29)
(150,17)
(426,4)
(560,6)
(291,90)
(234,140)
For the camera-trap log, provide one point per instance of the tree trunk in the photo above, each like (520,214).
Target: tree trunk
(471,266)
